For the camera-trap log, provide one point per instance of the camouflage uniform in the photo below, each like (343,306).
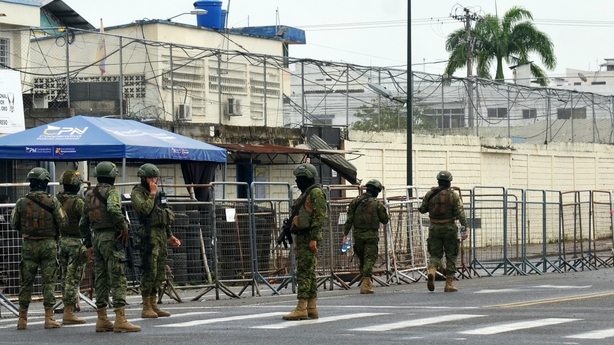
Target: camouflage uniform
(147,205)
(444,208)
(312,214)
(70,246)
(365,213)
(106,222)
(39,229)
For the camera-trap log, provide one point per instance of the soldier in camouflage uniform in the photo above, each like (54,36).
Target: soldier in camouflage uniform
(365,213)
(444,207)
(39,217)
(307,228)
(71,263)
(103,214)
(148,204)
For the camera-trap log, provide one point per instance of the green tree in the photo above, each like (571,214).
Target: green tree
(390,117)
(494,40)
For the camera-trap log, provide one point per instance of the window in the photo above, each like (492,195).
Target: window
(598,83)
(452,118)
(565,113)
(529,113)
(577,83)
(5,52)
(497,112)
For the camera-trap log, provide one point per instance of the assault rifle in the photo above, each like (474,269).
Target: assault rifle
(286,236)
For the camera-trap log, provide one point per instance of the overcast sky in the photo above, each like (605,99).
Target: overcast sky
(581,31)
(375,31)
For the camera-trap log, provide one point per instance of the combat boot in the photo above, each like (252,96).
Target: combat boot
(121,324)
(103,324)
(299,313)
(312,310)
(147,312)
(449,287)
(69,317)
(154,307)
(430,282)
(23,319)
(49,320)
(366,286)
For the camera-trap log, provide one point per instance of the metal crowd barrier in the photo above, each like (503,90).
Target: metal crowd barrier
(227,243)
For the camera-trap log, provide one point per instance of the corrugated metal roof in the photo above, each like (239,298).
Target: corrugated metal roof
(65,14)
(265,149)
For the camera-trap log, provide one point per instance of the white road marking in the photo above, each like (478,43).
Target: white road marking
(221,319)
(513,326)
(600,334)
(415,323)
(287,324)
(563,286)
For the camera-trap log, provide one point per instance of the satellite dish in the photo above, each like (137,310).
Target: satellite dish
(582,77)
(380,90)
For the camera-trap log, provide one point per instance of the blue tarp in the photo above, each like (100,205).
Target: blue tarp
(95,138)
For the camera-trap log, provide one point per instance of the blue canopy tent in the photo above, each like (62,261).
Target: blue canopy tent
(94,138)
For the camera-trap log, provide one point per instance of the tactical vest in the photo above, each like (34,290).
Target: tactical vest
(365,214)
(97,210)
(160,216)
(35,220)
(302,221)
(68,204)
(441,206)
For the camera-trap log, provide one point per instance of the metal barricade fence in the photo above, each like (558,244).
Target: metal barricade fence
(334,267)
(603,225)
(577,226)
(274,265)
(405,235)
(541,226)
(489,226)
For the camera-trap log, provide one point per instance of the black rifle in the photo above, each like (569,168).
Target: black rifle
(146,247)
(286,237)
(128,249)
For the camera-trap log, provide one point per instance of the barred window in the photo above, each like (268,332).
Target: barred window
(497,112)
(529,113)
(565,113)
(5,52)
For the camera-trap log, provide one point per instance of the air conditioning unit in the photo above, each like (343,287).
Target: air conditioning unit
(184,113)
(233,107)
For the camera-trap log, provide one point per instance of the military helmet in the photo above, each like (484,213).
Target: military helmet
(148,170)
(106,169)
(375,183)
(444,175)
(71,178)
(307,170)
(40,174)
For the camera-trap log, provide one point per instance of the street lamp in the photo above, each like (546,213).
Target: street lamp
(193,12)
(384,92)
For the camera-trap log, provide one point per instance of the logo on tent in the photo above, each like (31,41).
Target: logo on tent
(64,132)
(60,151)
(180,153)
(38,150)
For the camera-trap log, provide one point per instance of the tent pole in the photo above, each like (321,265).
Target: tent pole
(123,174)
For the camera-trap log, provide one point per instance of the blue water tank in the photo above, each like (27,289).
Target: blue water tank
(223,20)
(213,18)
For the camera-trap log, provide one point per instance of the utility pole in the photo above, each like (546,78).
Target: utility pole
(467,18)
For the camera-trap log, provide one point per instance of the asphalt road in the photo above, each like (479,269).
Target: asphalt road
(567,308)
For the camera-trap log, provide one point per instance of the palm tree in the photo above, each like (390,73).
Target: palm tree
(510,39)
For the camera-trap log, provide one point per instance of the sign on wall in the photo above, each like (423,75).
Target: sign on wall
(11,103)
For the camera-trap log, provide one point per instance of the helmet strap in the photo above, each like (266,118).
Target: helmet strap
(145,184)
(71,189)
(36,185)
(302,182)
(444,183)
(107,180)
